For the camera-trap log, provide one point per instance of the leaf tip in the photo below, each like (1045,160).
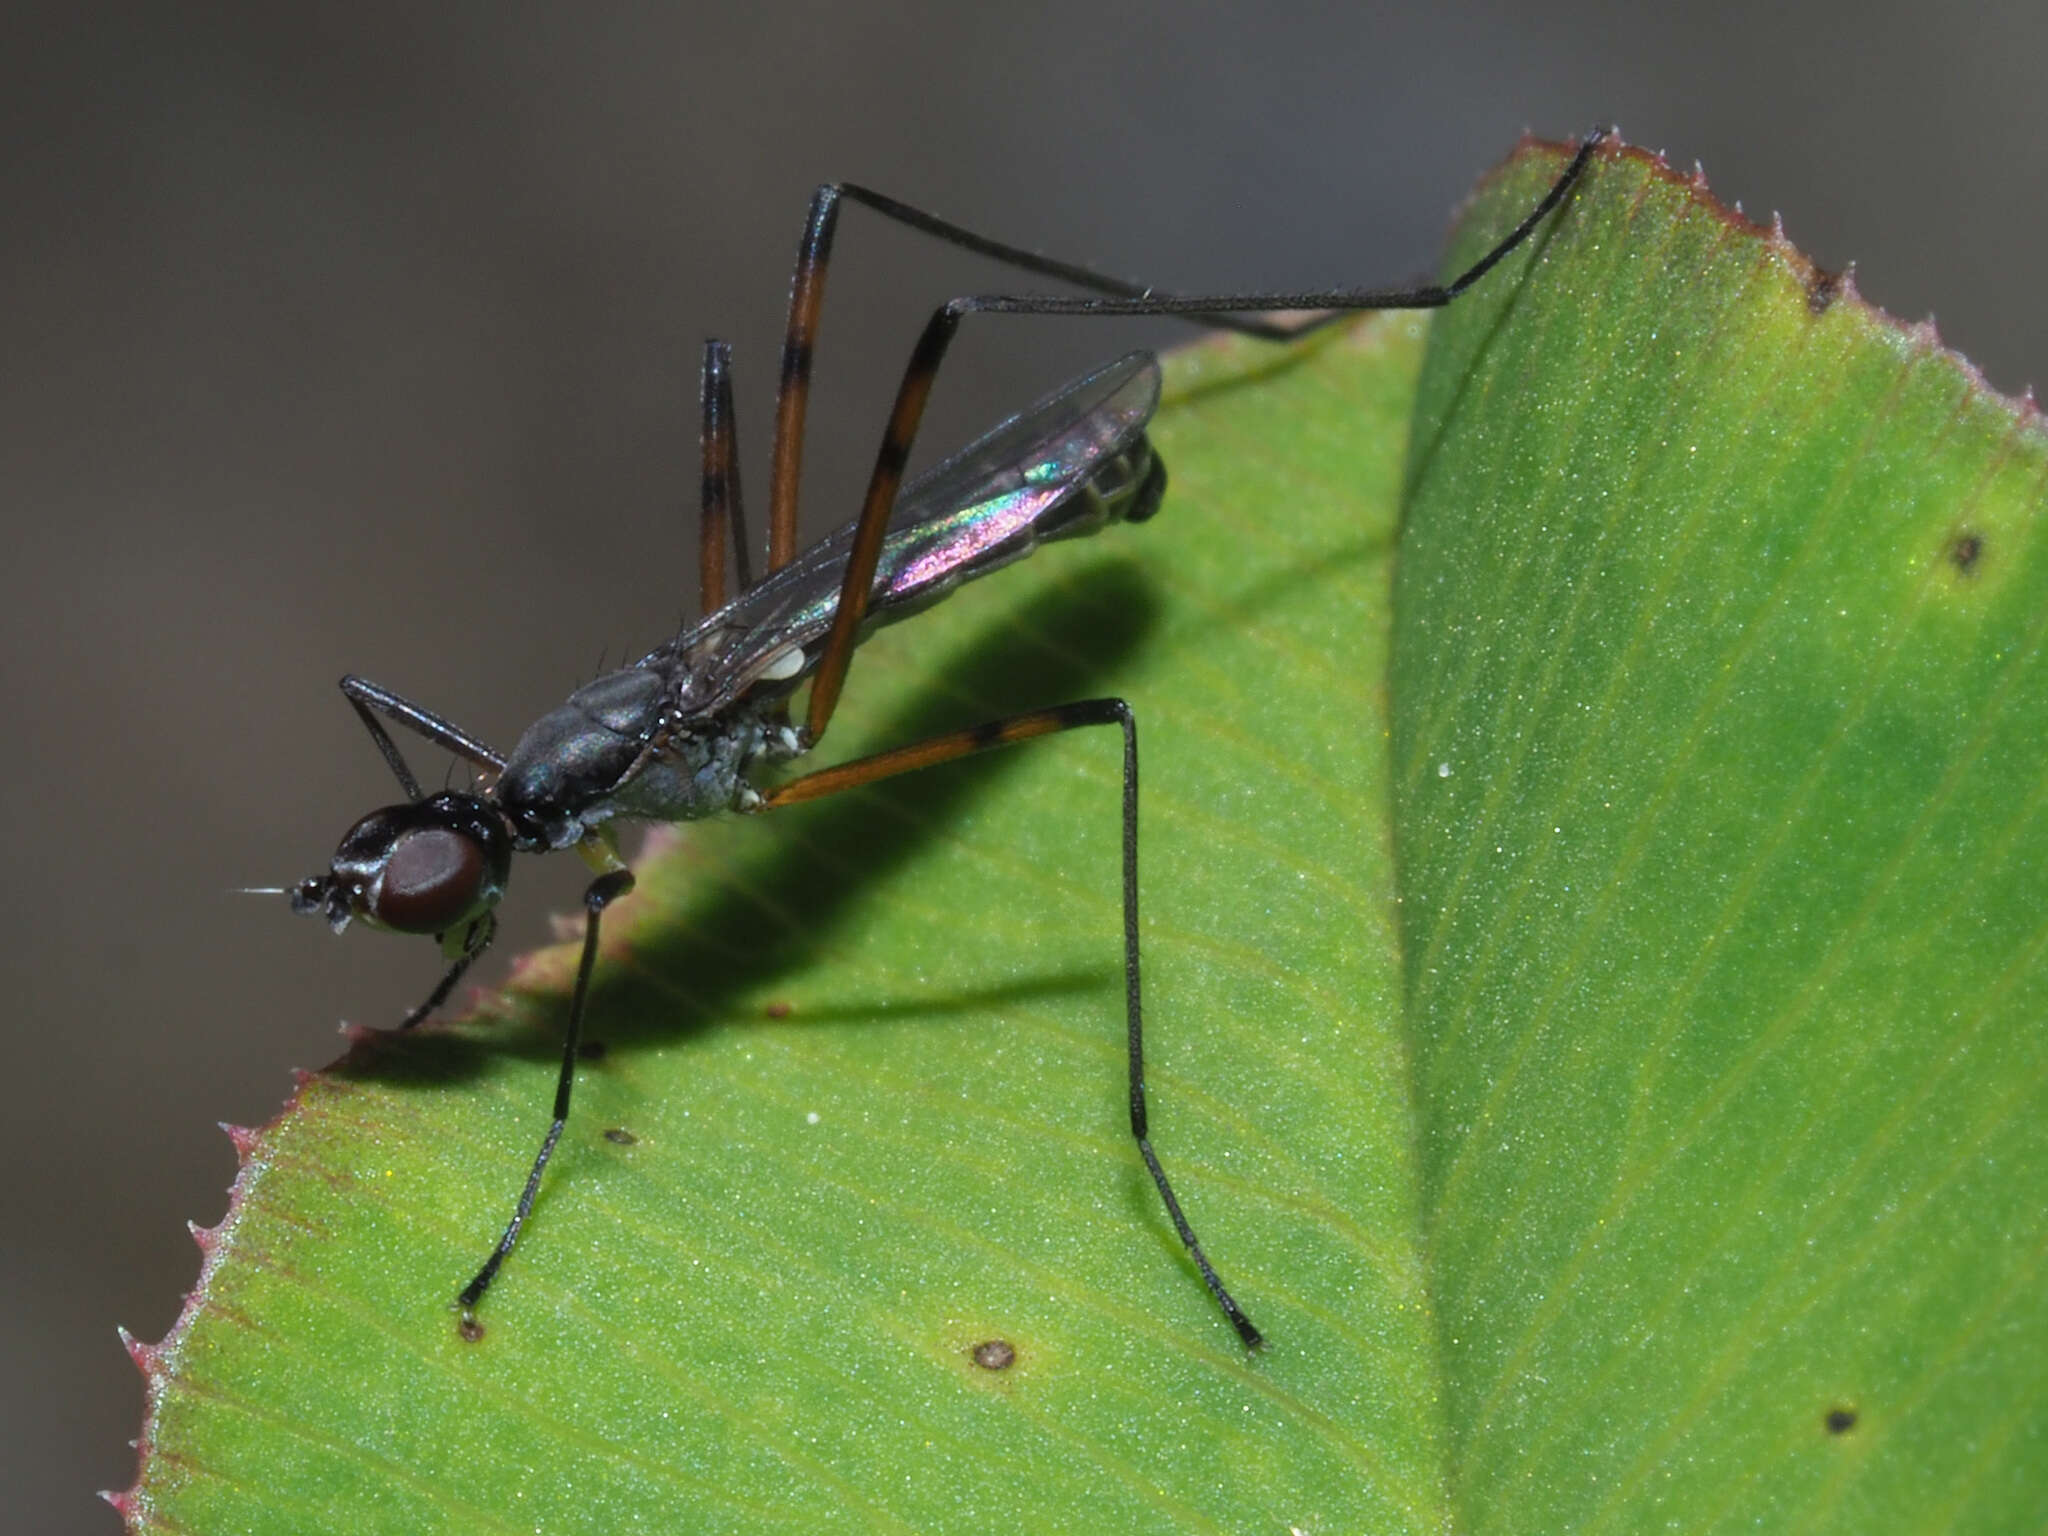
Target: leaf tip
(148,1358)
(1925,332)
(245,1139)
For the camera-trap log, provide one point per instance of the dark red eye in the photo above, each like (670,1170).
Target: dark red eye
(432,880)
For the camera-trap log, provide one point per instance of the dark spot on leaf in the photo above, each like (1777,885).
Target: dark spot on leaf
(1840,1420)
(592,1050)
(619,1136)
(1965,550)
(470,1329)
(779,1010)
(1821,289)
(995,1354)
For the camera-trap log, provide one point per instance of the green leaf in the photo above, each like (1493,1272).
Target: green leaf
(1719,804)
(1592,976)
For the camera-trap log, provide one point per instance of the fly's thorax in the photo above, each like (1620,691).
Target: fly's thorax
(578,753)
(618,747)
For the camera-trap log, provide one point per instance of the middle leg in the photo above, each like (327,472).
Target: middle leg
(1029,726)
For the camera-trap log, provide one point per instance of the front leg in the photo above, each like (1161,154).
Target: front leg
(604,890)
(365,696)
(475,939)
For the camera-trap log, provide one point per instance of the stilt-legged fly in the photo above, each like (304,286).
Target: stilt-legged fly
(688,730)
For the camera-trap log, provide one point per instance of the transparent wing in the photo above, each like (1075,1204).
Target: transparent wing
(1070,464)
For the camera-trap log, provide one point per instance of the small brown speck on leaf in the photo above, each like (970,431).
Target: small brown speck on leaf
(995,1354)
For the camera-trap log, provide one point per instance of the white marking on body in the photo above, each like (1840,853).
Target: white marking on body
(783,665)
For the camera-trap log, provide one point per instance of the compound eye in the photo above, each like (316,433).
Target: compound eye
(433,879)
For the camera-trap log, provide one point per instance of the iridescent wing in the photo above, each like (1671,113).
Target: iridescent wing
(1068,466)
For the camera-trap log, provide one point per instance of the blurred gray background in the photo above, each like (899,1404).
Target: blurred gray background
(364,338)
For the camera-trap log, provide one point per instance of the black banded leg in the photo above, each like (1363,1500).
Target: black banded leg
(1121,297)
(366,696)
(914,391)
(806,298)
(793,384)
(1028,727)
(604,890)
(1065,271)
(723,520)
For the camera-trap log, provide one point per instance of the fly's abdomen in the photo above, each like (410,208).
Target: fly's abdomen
(925,563)
(1131,485)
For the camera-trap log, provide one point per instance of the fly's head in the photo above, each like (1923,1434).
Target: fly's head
(434,866)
